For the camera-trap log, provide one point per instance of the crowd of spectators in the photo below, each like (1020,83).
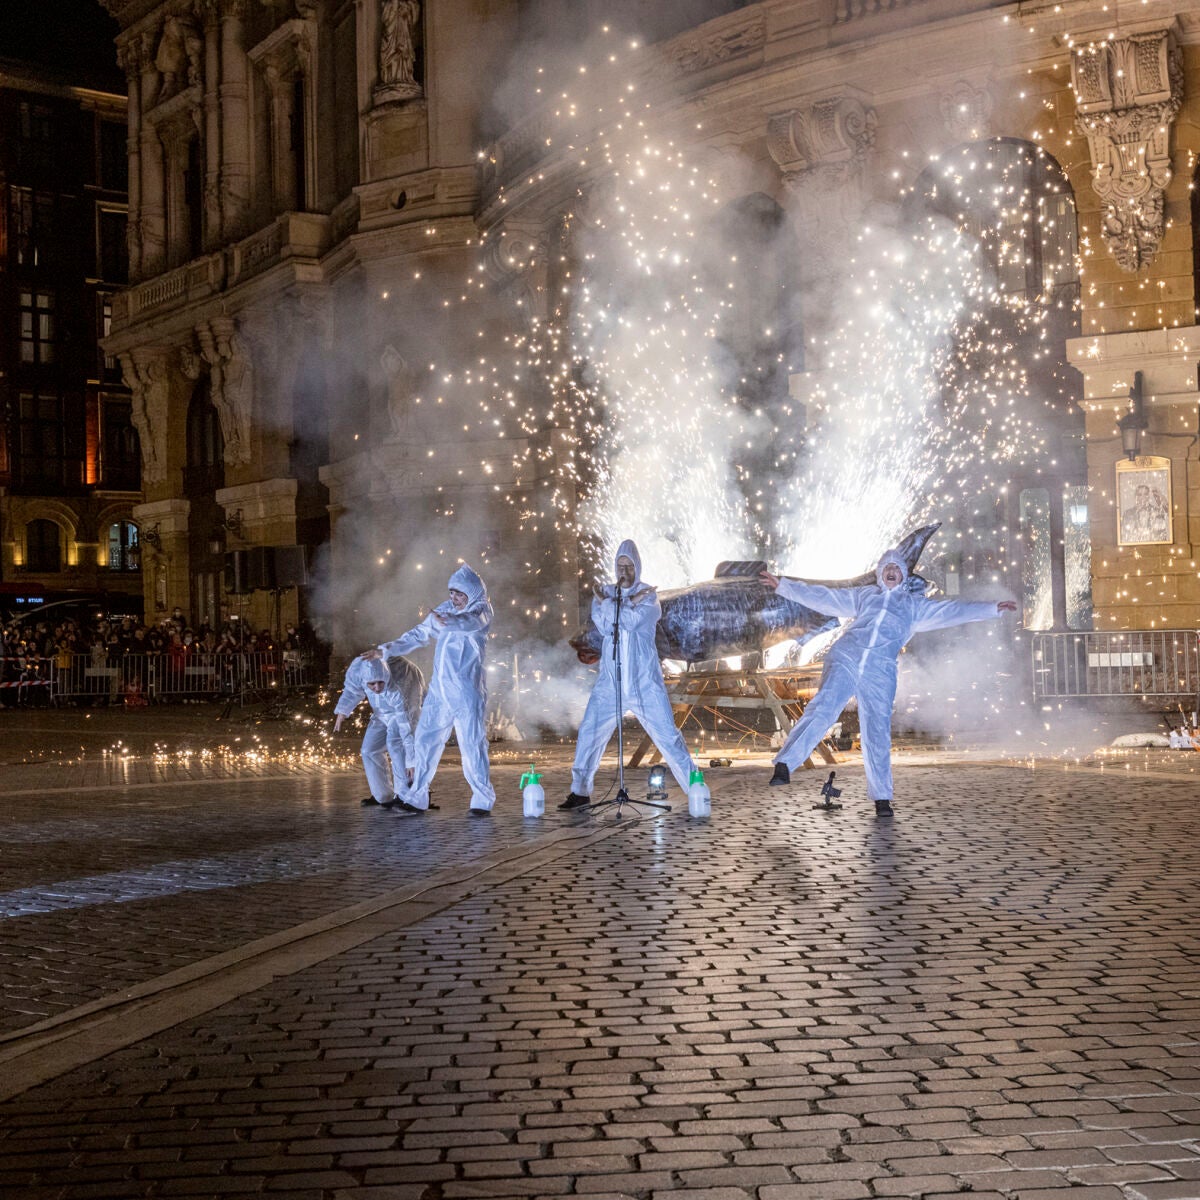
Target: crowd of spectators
(90,657)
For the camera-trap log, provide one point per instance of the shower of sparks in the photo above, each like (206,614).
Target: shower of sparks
(928,387)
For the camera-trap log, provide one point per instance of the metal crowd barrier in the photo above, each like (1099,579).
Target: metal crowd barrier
(133,679)
(1157,663)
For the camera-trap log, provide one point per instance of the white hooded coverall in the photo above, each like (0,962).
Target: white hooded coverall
(394,713)
(457,694)
(862,662)
(643,692)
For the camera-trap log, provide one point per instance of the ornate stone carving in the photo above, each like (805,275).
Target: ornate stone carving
(691,54)
(179,57)
(821,151)
(515,257)
(830,133)
(399,25)
(231,383)
(1127,93)
(148,378)
(966,111)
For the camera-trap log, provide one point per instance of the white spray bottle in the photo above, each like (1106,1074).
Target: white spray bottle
(532,793)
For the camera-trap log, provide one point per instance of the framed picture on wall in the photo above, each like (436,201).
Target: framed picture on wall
(1144,501)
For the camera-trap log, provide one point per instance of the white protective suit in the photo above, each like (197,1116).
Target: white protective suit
(457,694)
(394,713)
(862,662)
(643,692)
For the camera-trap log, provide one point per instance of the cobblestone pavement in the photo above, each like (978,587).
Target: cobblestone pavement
(996,993)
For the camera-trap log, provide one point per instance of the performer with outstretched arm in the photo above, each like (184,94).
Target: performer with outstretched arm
(457,694)
(642,689)
(862,662)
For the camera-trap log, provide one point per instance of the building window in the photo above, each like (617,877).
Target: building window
(114,157)
(108,366)
(32,228)
(123,550)
(43,546)
(111,245)
(205,470)
(1077,557)
(121,459)
(1037,597)
(49,442)
(36,121)
(36,321)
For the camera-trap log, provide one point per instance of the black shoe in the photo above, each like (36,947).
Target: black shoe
(369,802)
(574,801)
(403,806)
(782,775)
(479,812)
(883,808)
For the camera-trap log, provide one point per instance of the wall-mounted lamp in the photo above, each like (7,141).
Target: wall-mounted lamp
(1133,424)
(152,537)
(233,522)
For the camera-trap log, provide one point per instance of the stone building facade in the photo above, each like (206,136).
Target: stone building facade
(338,211)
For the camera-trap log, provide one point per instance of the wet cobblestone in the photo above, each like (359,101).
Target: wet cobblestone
(995,993)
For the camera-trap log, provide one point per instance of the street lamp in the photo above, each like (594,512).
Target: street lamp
(1133,424)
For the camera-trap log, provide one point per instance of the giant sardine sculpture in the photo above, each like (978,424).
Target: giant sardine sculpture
(733,614)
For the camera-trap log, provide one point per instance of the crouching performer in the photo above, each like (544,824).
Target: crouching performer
(643,692)
(394,693)
(862,662)
(457,694)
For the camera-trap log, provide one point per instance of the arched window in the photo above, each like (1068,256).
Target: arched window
(1018,202)
(124,552)
(43,546)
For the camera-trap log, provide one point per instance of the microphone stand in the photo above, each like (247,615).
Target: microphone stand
(622,796)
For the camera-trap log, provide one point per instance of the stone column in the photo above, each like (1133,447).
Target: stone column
(821,150)
(212,126)
(235,121)
(129,57)
(153,180)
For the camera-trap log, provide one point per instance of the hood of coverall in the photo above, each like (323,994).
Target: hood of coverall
(892,556)
(466,581)
(628,549)
(376,671)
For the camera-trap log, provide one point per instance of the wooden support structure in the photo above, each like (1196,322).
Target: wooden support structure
(784,692)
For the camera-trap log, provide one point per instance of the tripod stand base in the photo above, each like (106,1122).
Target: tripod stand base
(621,798)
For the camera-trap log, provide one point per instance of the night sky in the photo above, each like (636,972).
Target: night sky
(71,39)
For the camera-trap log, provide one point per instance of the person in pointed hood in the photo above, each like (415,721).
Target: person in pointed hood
(862,663)
(457,694)
(388,751)
(642,689)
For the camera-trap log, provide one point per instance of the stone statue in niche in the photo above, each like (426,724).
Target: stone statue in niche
(178,59)
(148,380)
(399,21)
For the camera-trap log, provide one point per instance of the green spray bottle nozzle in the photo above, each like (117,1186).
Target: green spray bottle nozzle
(530,776)
(697,776)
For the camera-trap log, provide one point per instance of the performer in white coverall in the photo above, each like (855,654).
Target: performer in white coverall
(394,693)
(457,694)
(643,692)
(862,662)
